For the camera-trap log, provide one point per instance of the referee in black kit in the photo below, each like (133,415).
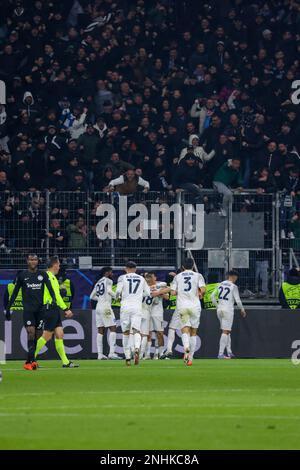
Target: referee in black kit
(32,282)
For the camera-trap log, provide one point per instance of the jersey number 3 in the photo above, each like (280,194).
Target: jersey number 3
(187,281)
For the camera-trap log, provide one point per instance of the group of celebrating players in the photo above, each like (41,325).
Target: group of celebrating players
(141,300)
(141,311)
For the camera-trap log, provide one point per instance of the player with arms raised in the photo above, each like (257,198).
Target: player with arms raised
(189,287)
(224,298)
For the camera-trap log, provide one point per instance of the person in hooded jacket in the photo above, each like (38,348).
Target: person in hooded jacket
(198,151)
(30,107)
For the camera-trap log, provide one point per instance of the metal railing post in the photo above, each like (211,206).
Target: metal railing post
(228,236)
(87,205)
(47,223)
(278,257)
(112,241)
(180,242)
(274,245)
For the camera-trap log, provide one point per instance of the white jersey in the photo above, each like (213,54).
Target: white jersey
(132,288)
(225,296)
(147,306)
(157,306)
(187,285)
(103,293)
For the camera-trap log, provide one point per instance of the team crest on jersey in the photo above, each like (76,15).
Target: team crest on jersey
(40,278)
(28,323)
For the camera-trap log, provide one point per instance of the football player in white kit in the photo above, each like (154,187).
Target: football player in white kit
(224,298)
(157,310)
(189,287)
(102,293)
(173,325)
(148,304)
(131,289)
(146,318)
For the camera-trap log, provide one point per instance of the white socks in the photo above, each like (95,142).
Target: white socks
(186,341)
(223,343)
(100,345)
(148,352)
(161,350)
(193,342)
(228,347)
(143,346)
(137,340)
(171,339)
(131,342)
(112,342)
(126,347)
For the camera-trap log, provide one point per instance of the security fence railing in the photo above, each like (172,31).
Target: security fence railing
(256,235)
(246,239)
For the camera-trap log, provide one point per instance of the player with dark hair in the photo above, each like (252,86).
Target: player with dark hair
(189,287)
(131,289)
(52,315)
(224,297)
(33,282)
(103,294)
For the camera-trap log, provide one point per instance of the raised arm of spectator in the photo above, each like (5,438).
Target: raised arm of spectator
(208,156)
(116,182)
(79,122)
(145,184)
(195,110)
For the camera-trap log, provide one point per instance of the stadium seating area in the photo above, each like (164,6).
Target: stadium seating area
(173,90)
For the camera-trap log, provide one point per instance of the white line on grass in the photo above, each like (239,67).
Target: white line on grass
(162,405)
(124,391)
(30,415)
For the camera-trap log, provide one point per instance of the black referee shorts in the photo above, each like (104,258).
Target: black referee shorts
(52,317)
(33,318)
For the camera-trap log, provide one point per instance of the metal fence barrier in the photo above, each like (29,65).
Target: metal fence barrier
(289,230)
(259,235)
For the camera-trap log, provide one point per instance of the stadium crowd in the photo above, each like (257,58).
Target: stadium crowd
(172,95)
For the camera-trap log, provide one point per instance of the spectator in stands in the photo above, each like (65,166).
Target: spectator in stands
(291,181)
(76,122)
(147,92)
(294,231)
(4,184)
(189,177)
(77,235)
(204,112)
(57,237)
(198,151)
(263,181)
(228,176)
(3,129)
(129,183)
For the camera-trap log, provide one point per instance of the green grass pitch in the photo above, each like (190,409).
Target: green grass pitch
(238,404)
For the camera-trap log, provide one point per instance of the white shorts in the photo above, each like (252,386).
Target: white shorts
(130,319)
(145,326)
(157,324)
(175,321)
(189,317)
(225,319)
(105,318)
